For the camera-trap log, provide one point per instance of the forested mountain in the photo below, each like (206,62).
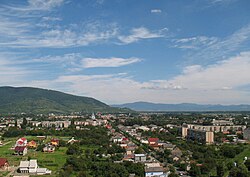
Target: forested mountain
(36,100)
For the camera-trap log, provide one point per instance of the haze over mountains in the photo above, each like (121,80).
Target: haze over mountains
(36,100)
(146,106)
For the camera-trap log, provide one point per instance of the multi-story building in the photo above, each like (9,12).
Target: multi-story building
(200,136)
(246,134)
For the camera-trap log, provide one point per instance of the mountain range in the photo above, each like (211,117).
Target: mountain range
(147,106)
(43,101)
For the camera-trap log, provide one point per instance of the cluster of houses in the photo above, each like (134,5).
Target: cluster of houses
(22,145)
(152,165)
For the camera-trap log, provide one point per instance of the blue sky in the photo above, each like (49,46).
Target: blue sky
(122,51)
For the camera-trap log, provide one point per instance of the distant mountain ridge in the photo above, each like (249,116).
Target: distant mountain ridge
(43,101)
(147,106)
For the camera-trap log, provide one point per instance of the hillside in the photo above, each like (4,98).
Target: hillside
(146,106)
(35,100)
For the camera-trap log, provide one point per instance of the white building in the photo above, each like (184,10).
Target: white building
(32,167)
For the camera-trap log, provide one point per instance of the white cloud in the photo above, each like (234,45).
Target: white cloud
(108,62)
(51,19)
(140,33)
(230,73)
(216,83)
(155,10)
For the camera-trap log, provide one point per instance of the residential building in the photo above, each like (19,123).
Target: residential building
(49,148)
(140,158)
(201,136)
(32,144)
(246,134)
(4,164)
(32,167)
(154,170)
(20,150)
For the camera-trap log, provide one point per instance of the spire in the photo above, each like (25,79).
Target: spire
(93,116)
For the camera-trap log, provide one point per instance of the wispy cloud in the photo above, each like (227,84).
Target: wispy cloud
(155,10)
(215,2)
(108,62)
(141,33)
(212,49)
(196,42)
(36,5)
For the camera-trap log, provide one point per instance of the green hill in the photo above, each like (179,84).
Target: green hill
(35,100)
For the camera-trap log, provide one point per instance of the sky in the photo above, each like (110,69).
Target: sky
(121,51)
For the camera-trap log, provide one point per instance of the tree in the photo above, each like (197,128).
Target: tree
(240,171)
(220,169)
(24,124)
(74,149)
(247,163)
(195,170)
(173,175)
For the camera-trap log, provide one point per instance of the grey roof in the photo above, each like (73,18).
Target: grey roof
(24,164)
(154,169)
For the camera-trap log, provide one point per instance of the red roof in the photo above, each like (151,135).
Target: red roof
(3,161)
(153,139)
(24,139)
(55,140)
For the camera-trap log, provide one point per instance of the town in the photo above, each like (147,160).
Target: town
(125,144)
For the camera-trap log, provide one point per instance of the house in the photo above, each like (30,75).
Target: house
(154,169)
(130,150)
(24,167)
(140,158)
(21,142)
(176,154)
(4,164)
(117,139)
(168,146)
(246,134)
(72,141)
(32,167)
(129,157)
(20,150)
(153,141)
(32,144)
(49,148)
(54,142)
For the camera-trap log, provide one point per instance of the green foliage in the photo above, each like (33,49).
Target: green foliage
(240,171)
(220,169)
(34,100)
(195,170)
(247,164)
(74,149)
